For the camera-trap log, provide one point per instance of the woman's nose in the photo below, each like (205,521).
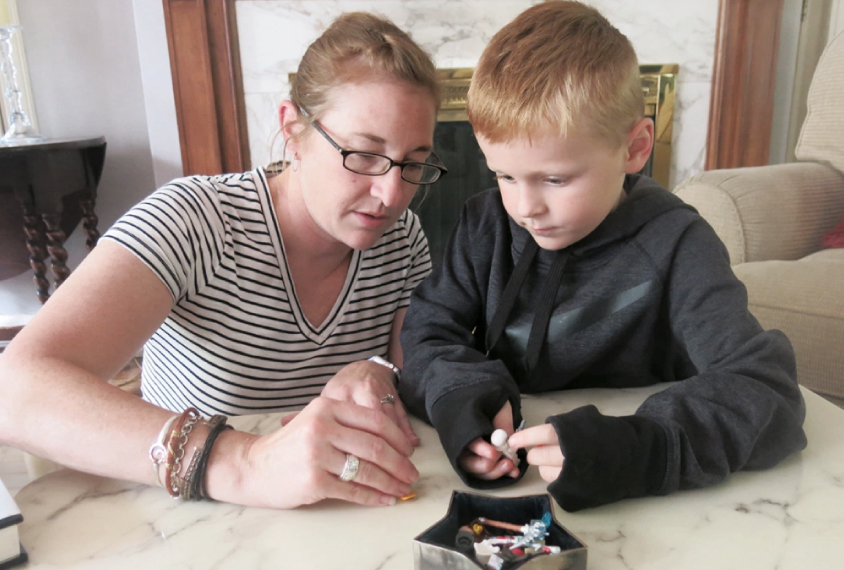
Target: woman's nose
(390,187)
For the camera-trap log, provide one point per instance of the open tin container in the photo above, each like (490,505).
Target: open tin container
(435,548)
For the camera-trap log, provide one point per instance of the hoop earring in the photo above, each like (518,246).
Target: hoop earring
(294,165)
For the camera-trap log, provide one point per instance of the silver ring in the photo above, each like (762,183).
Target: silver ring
(388,399)
(350,468)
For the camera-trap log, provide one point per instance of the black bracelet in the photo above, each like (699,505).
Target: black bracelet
(198,489)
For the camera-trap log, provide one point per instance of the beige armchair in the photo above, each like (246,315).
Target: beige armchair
(772,220)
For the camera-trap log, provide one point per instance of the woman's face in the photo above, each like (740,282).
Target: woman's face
(384,117)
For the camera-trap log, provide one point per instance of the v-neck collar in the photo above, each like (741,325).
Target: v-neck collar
(318,334)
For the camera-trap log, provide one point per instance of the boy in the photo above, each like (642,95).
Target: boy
(576,272)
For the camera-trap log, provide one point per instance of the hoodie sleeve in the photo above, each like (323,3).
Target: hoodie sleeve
(742,410)
(447,378)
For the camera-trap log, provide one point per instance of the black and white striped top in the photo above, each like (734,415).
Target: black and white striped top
(236,341)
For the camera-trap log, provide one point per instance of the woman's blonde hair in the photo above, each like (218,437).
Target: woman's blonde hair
(558,65)
(355,48)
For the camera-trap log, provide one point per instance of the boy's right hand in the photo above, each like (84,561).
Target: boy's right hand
(482,460)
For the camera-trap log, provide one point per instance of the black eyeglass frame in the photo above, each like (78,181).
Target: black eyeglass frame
(345,153)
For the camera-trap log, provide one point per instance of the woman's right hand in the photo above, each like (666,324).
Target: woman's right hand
(300,463)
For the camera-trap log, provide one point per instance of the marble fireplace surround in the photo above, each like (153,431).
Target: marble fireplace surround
(230,60)
(273,35)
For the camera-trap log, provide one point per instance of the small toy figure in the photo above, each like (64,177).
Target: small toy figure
(493,551)
(534,531)
(498,439)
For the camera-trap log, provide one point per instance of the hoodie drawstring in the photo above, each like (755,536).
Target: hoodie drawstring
(547,298)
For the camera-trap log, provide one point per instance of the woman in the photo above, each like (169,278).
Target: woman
(253,292)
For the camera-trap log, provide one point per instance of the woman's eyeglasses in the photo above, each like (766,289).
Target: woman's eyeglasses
(372,164)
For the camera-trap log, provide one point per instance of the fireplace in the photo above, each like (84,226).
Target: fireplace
(439,206)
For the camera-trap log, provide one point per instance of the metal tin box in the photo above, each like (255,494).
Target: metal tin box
(434,549)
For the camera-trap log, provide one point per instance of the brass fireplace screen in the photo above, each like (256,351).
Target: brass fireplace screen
(439,207)
(658,83)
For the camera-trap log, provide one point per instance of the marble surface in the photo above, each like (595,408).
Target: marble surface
(275,33)
(786,518)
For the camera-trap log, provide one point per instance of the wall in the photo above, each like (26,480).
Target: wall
(275,33)
(836,20)
(87,79)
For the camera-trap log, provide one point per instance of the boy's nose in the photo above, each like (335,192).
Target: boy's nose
(389,187)
(531,202)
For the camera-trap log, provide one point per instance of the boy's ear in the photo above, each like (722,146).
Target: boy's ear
(640,141)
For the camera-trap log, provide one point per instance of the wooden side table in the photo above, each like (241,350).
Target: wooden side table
(42,176)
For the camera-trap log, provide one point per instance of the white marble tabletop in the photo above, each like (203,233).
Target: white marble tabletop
(787,518)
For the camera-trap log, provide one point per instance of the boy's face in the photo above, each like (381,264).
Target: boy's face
(558,188)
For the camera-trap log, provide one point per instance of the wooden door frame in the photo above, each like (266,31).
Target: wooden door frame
(741,106)
(208,86)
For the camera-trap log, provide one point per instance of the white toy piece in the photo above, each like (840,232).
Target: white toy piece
(483,550)
(499,441)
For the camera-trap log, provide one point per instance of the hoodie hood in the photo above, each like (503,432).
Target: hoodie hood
(527,316)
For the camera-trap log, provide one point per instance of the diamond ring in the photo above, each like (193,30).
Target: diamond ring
(350,468)
(388,399)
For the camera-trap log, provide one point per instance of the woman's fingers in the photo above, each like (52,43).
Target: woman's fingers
(374,422)
(288,418)
(374,451)
(372,437)
(370,475)
(399,416)
(371,385)
(355,492)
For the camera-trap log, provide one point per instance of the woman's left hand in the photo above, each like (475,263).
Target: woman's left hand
(369,384)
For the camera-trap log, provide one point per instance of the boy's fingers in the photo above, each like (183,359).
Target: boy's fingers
(475,464)
(536,435)
(550,474)
(483,449)
(485,469)
(504,419)
(550,455)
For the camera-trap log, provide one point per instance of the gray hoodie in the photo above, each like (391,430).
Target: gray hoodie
(647,297)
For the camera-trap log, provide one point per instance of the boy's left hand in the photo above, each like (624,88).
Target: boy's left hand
(546,453)
(482,460)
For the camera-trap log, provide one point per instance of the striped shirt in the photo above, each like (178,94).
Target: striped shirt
(236,340)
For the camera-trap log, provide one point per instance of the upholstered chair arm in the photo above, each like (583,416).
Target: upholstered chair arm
(768,212)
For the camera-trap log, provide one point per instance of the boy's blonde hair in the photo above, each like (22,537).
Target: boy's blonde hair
(358,47)
(558,65)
